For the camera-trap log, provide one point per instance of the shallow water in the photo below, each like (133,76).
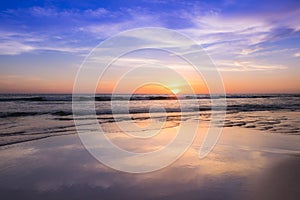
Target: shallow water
(30,117)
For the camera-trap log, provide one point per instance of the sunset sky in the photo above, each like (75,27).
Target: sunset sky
(255,44)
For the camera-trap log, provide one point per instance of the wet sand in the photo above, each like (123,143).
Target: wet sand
(245,164)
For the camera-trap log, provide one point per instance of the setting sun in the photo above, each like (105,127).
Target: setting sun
(175,91)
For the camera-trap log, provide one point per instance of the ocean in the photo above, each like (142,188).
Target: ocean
(26,117)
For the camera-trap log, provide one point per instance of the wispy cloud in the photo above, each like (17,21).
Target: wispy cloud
(78,31)
(297,54)
(14,48)
(233,65)
(18,43)
(241,35)
(53,12)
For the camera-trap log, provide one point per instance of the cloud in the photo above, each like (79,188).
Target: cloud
(240,34)
(43,12)
(15,43)
(133,19)
(53,12)
(250,50)
(14,48)
(77,31)
(105,30)
(71,31)
(297,54)
(279,33)
(233,65)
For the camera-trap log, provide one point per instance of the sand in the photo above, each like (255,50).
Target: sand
(245,164)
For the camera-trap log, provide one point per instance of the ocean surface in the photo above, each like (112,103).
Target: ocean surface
(26,117)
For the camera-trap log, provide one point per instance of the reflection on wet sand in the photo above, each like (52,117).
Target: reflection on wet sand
(244,165)
(281,180)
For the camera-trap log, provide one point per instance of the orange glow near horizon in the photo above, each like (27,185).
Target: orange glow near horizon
(154,89)
(232,84)
(171,88)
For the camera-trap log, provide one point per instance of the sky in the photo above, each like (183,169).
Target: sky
(255,44)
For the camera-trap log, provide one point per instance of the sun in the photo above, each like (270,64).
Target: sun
(175,91)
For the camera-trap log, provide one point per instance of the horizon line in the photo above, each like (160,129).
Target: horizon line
(230,93)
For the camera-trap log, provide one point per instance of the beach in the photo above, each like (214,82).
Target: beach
(256,157)
(245,164)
